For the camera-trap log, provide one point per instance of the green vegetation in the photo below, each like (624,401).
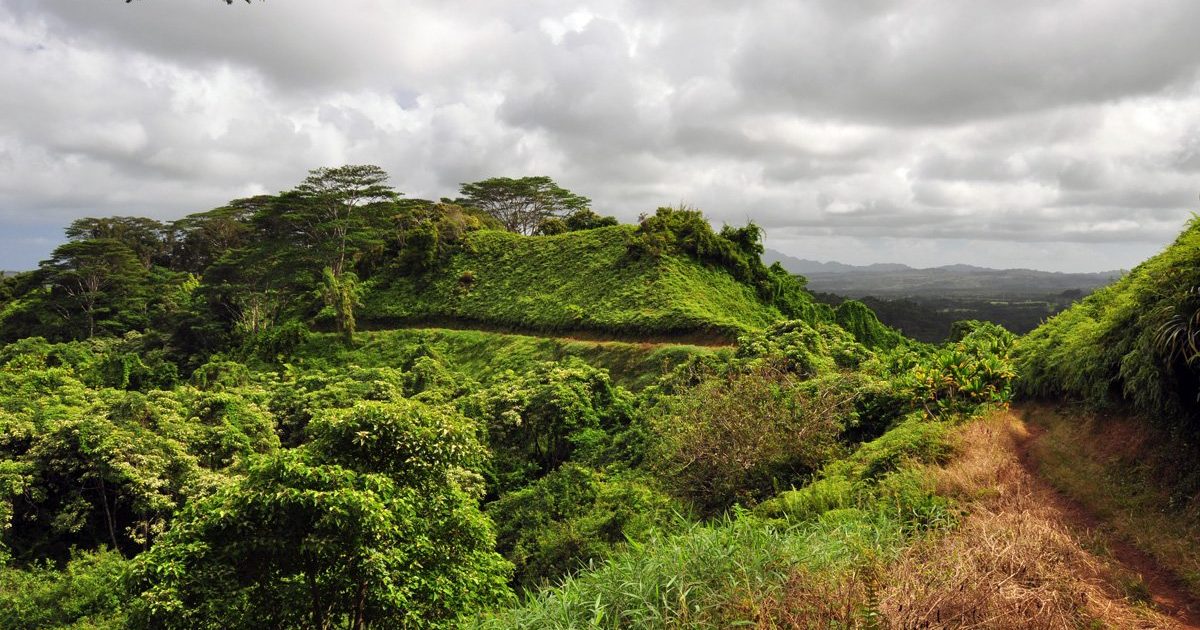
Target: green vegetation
(710,575)
(197,432)
(1134,341)
(572,282)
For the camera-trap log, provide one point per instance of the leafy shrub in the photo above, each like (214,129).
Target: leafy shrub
(87,592)
(369,524)
(276,343)
(414,443)
(863,479)
(224,428)
(218,375)
(298,396)
(803,349)
(959,377)
(739,437)
(538,420)
(574,516)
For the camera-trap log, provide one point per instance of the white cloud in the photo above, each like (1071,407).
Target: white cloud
(864,129)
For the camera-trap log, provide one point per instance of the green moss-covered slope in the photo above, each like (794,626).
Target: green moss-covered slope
(1135,341)
(583,280)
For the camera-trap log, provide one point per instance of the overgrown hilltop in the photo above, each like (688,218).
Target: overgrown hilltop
(595,280)
(344,246)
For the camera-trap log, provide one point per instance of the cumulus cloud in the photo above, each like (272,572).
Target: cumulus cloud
(1055,134)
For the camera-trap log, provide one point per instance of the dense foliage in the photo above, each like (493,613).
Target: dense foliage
(1133,342)
(576,281)
(194,432)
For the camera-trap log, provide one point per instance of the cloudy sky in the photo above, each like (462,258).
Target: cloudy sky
(1025,133)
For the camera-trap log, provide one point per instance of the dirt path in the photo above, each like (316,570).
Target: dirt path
(702,339)
(1164,588)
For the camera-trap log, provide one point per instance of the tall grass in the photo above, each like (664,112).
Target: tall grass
(709,576)
(725,572)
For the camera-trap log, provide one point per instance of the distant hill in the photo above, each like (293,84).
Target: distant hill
(578,281)
(804,266)
(896,280)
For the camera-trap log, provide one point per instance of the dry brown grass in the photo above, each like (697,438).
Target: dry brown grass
(811,600)
(1130,473)
(1014,562)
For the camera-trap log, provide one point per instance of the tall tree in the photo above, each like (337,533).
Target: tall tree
(95,279)
(146,238)
(368,525)
(202,238)
(522,204)
(328,208)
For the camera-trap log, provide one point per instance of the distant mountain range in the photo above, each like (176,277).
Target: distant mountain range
(897,280)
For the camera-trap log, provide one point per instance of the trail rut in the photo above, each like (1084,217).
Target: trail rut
(1164,588)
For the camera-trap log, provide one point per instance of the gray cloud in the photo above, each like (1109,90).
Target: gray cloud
(1060,134)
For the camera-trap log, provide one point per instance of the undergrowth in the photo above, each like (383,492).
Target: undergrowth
(719,574)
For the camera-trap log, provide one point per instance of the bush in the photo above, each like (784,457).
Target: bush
(868,478)
(373,523)
(538,420)
(87,592)
(572,517)
(741,436)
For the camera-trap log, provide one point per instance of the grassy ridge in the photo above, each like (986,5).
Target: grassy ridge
(575,281)
(481,355)
(1134,341)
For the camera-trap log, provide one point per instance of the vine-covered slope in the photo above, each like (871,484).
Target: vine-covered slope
(587,280)
(1135,341)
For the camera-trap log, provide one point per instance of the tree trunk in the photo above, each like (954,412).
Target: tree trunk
(108,517)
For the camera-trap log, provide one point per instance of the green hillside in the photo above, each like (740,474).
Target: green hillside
(586,280)
(1136,341)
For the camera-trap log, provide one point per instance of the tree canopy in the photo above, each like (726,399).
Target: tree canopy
(522,204)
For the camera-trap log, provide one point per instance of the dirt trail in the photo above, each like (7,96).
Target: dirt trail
(1165,589)
(649,340)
